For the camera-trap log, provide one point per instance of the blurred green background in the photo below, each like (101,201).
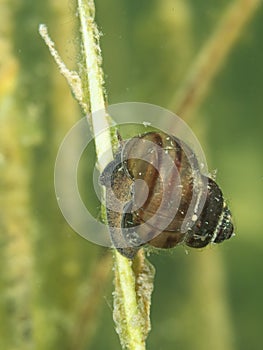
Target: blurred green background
(55,287)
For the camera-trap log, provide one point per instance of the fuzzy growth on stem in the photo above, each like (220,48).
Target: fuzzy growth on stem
(133,286)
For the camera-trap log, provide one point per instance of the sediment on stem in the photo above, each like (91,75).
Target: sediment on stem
(130,295)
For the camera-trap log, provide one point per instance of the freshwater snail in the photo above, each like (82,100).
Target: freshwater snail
(157,195)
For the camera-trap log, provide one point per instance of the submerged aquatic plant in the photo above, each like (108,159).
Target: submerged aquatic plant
(31,269)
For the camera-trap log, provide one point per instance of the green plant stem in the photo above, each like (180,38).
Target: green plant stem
(94,75)
(90,38)
(128,327)
(212,56)
(72,77)
(131,299)
(127,314)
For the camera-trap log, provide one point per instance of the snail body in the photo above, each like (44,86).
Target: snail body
(157,195)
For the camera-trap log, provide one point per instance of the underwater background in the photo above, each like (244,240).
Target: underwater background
(56,287)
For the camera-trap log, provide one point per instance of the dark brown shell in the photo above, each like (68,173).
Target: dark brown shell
(154,210)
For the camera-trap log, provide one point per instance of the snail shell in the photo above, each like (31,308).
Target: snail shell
(154,191)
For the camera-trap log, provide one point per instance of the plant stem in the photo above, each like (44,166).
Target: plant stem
(127,314)
(92,54)
(72,77)
(212,56)
(94,75)
(129,317)
(133,289)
